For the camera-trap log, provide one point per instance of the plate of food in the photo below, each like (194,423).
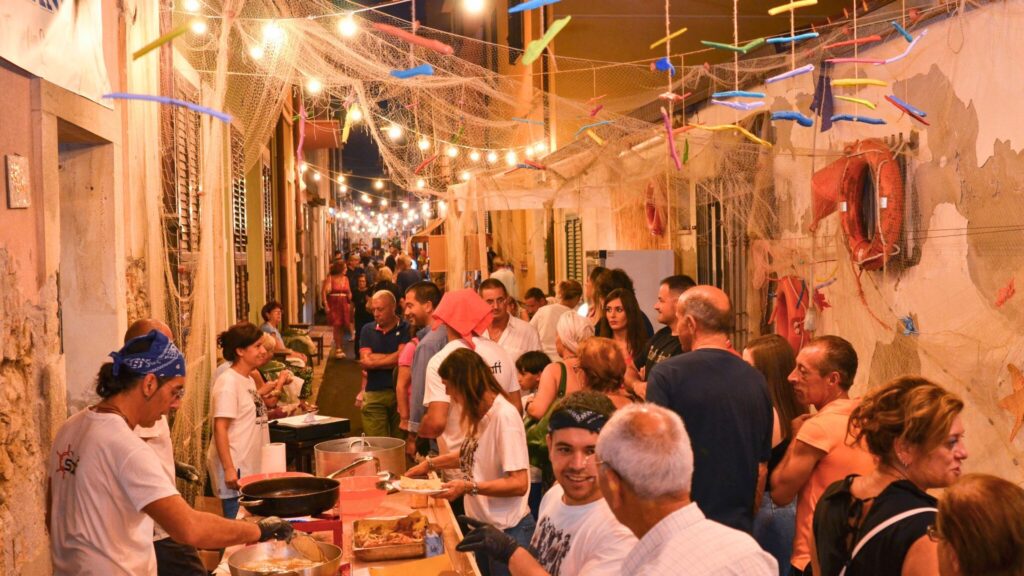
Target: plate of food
(428,486)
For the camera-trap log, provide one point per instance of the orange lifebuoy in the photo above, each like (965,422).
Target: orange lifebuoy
(792,299)
(872,249)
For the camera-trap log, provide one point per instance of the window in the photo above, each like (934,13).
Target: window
(239,231)
(574,249)
(268,230)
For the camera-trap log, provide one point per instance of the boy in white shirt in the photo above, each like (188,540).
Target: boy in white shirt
(576,532)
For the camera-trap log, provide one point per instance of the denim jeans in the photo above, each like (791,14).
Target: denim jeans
(523,533)
(774,529)
(230,507)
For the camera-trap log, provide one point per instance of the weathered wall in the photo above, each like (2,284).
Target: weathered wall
(962,231)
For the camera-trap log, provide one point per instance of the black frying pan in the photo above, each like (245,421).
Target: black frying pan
(290,497)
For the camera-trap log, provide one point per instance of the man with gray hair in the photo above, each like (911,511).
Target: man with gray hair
(724,402)
(380,345)
(645,469)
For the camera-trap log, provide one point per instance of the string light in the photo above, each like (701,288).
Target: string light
(528,152)
(466,176)
(540,147)
(405,205)
(474,156)
(191,5)
(452,152)
(366,198)
(383,202)
(316,176)
(421,184)
(355,113)
(341,179)
(424,144)
(344,188)
(473,6)
(303,167)
(347,26)
(256,52)
(492,157)
(314,86)
(511,158)
(273,33)
(198,26)
(378,184)
(395,131)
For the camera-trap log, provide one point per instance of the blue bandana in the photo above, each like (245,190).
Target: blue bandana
(163,359)
(573,418)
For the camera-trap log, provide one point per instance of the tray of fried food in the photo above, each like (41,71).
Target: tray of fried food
(390,539)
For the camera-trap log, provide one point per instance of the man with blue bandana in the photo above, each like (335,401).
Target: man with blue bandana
(107,487)
(576,531)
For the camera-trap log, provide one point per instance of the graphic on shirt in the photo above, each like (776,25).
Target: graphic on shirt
(552,545)
(496,368)
(261,408)
(467,456)
(67,462)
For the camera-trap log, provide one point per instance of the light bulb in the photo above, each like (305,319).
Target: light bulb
(405,205)
(465,176)
(378,184)
(411,213)
(355,113)
(316,176)
(256,52)
(344,188)
(395,131)
(421,184)
(492,157)
(473,6)
(528,152)
(347,26)
(341,179)
(474,156)
(191,5)
(272,32)
(452,152)
(366,198)
(511,158)
(441,204)
(424,144)
(198,26)
(314,86)
(540,147)
(383,202)
(303,167)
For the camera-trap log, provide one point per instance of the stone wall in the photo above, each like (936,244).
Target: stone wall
(32,406)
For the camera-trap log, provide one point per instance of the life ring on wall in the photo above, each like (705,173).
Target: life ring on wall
(792,299)
(651,212)
(872,159)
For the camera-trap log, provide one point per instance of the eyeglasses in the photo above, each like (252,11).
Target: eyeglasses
(179,394)
(933,533)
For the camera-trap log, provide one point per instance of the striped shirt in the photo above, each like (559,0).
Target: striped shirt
(686,542)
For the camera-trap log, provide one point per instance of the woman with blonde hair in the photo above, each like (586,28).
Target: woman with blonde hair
(602,368)
(980,528)
(559,378)
(493,457)
(878,524)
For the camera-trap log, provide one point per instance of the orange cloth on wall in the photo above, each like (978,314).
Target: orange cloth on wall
(825,431)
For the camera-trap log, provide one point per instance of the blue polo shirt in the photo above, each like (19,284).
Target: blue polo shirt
(381,342)
(431,342)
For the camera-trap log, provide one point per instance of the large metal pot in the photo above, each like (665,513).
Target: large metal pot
(290,497)
(277,550)
(333,455)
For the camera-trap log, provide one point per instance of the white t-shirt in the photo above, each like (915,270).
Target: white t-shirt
(508,279)
(235,396)
(585,540)
(158,437)
(499,447)
(101,476)
(503,368)
(518,337)
(545,321)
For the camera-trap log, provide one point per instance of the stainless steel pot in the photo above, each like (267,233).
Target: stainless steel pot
(333,455)
(278,550)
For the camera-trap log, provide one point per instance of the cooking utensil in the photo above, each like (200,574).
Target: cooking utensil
(305,544)
(276,550)
(290,497)
(246,480)
(333,455)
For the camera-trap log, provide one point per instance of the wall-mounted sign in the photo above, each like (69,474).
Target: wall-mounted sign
(58,40)
(18,189)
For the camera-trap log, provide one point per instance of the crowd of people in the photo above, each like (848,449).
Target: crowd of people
(571,437)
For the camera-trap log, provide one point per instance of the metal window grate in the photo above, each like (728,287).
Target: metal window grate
(268,231)
(574,249)
(239,230)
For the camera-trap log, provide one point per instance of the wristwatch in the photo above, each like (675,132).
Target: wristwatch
(430,465)
(475,489)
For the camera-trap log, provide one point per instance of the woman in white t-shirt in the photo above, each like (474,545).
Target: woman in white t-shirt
(239,415)
(493,456)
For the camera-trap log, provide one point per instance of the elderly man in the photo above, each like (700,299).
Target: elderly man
(646,464)
(380,344)
(421,300)
(819,454)
(576,534)
(725,404)
(514,335)
(463,316)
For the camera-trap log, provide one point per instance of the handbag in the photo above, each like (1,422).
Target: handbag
(537,435)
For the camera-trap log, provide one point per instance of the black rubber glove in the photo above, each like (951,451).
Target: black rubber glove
(274,527)
(487,539)
(186,472)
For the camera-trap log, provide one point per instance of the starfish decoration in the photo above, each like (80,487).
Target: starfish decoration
(1014,403)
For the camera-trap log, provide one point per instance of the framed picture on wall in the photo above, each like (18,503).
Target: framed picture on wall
(18,190)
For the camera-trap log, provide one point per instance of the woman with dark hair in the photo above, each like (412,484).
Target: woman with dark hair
(980,528)
(878,524)
(601,369)
(239,415)
(107,486)
(775,526)
(272,317)
(623,324)
(361,309)
(336,296)
(493,457)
